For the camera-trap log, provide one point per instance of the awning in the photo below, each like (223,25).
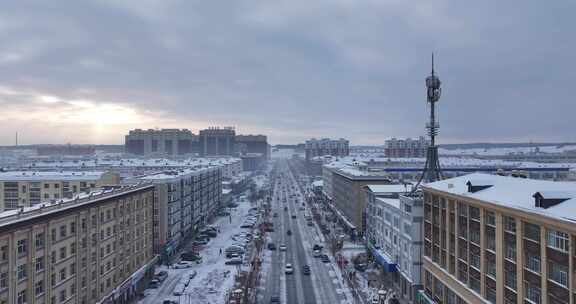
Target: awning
(383,260)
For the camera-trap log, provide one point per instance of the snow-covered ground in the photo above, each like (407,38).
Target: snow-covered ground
(214,279)
(507,151)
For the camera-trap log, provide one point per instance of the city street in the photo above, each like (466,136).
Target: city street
(324,284)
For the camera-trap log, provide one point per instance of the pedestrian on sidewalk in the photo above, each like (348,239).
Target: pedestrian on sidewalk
(220,251)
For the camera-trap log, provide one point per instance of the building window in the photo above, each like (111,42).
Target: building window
(63,295)
(62,253)
(509,224)
(491,269)
(39,264)
(22,246)
(474,213)
(532,262)
(3,280)
(21,298)
(558,273)
(21,272)
(510,251)
(557,240)
(39,288)
(39,240)
(3,253)
(63,231)
(532,232)
(490,218)
(532,293)
(510,279)
(62,274)
(73,227)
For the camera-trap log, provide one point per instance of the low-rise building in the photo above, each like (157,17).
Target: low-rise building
(29,188)
(345,193)
(499,239)
(394,237)
(95,248)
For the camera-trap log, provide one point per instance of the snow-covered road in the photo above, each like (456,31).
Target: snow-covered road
(213,278)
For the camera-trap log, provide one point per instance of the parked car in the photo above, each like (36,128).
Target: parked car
(161,276)
(191,256)
(182,264)
(233,255)
(293,216)
(271,246)
(274,299)
(317,247)
(169,302)
(310,223)
(325,259)
(289,232)
(288,269)
(155,283)
(317,254)
(282,247)
(234,261)
(306,270)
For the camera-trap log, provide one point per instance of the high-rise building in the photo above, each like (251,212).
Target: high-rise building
(406,147)
(325,146)
(167,142)
(29,188)
(499,239)
(217,141)
(96,249)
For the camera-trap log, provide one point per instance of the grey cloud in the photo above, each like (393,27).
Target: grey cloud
(295,69)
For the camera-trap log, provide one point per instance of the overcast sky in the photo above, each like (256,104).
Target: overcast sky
(88,71)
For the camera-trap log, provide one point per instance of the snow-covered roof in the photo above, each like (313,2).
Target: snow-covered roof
(50,175)
(511,192)
(392,202)
(135,162)
(172,174)
(318,183)
(393,188)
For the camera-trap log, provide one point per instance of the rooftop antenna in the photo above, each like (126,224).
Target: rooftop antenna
(432,171)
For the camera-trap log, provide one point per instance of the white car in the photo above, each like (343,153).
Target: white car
(282,247)
(182,265)
(289,269)
(317,253)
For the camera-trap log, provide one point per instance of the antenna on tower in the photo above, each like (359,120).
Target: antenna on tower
(432,171)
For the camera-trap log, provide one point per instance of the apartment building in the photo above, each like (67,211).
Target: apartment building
(169,142)
(326,146)
(185,200)
(29,188)
(93,249)
(499,239)
(217,141)
(394,236)
(406,147)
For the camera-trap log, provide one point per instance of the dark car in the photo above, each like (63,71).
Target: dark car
(293,216)
(286,208)
(325,259)
(317,247)
(190,256)
(200,242)
(289,232)
(271,246)
(360,267)
(306,270)
(275,299)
